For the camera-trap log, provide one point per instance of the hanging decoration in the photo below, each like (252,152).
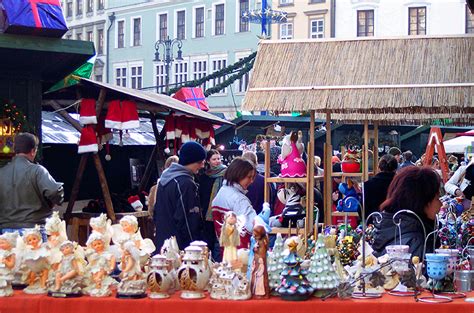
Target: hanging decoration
(265,16)
(12,121)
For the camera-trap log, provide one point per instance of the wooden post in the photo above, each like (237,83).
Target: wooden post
(104,186)
(148,169)
(365,164)
(328,173)
(376,147)
(75,187)
(310,178)
(100,102)
(266,192)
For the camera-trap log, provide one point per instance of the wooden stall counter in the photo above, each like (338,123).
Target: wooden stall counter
(22,303)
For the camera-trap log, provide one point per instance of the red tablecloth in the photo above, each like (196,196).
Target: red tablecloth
(23,303)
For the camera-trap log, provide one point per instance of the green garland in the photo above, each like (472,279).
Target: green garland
(229,81)
(245,63)
(16,116)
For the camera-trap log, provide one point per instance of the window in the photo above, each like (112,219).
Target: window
(160,78)
(78,36)
(286,2)
(136,77)
(180,72)
(243,82)
(286,31)
(69,8)
(90,36)
(181,29)
(219,20)
(98,78)
(199,71)
(199,23)
(78,7)
(469,21)
(316,1)
(120,34)
(417,21)
(121,76)
(100,4)
(216,66)
(317,29)
(90,4)
(68,36)
(365,23)
(243,23)
(137,29)
(163,26)
(100,41)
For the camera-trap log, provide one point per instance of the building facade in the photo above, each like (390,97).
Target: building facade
(212,34)
(87,20)
(306,19)
(362,18)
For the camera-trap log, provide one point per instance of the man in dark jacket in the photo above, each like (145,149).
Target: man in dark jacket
(177,211)
(375,189)
(28,193)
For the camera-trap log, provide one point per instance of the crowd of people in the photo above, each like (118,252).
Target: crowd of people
(196,190)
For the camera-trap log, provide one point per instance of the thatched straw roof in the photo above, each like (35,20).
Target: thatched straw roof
(410,75)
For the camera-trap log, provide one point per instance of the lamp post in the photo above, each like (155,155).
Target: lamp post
(168,45)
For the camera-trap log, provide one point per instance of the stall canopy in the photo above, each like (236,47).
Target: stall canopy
(459,144)
(146,101)
(415,77)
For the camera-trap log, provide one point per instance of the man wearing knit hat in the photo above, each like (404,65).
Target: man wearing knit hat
(177,212)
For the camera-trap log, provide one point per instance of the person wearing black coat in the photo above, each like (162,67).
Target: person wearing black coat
(375,189)
(415,189)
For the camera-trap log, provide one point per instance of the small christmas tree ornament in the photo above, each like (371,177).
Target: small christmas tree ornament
(275,265)
(322,275)
(294,285)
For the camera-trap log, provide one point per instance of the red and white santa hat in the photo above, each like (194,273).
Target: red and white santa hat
(87,112)
(88,141)
(129,115)
(113,119)
(135,203)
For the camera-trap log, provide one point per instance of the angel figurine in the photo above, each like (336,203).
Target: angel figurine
(101,264)
(292,164)
(56,231)
(133,284)
(230,238)
(127,230)
(259,276)
(36,261)
(68,278)
(102,225)
(7,263)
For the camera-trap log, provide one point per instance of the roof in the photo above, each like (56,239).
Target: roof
(146,101)
(406,75)
(56,130)
(52,58)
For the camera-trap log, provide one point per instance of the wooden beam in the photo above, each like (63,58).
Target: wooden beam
(310,178)
(365,164)
(266,190)
(60,110)
(104,186)
(328,173)
(100,102)
(76,186)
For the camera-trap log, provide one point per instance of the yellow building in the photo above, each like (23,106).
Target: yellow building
(306,19)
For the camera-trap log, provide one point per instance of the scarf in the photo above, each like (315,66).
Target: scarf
(218,174)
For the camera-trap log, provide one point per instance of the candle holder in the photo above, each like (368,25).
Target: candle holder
(437,268)
(452,264)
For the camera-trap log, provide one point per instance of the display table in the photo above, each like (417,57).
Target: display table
(23,303)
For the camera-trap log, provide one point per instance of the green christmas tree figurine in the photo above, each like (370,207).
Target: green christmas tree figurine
(294,285)
(275,265)
(322,275)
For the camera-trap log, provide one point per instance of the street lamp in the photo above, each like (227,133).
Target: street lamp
(168,45)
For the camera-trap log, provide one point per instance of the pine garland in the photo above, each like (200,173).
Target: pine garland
(245,65)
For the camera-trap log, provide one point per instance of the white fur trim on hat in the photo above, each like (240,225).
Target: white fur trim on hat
(88,148)
(87,120)
(131,124)
(137,205)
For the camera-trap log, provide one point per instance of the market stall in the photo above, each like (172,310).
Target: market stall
(157,106)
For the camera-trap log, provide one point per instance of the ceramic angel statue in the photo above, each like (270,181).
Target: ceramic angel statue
(56,231)
(101,264)
(292,165)
(68,278)
(259,276)
(128,230)
(230,238)
(102,225)
(133,283)
(7,263)
(36,261)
